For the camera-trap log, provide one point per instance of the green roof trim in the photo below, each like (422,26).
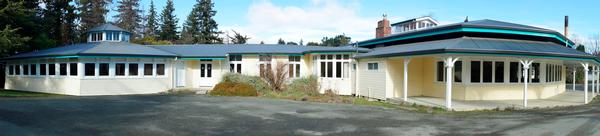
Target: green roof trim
(504,55)
(480,30)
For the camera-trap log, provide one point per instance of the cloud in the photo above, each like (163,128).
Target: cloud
(318,18)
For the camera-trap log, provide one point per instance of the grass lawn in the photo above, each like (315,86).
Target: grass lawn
(15,93)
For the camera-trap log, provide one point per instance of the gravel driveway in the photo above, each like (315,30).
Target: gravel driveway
(206,115)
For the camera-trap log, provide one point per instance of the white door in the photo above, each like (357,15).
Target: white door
(206,74)
(180,74)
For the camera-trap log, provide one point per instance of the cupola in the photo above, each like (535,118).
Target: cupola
(108,33)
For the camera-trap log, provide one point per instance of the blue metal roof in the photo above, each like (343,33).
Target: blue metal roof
(106,27)
(478,46)
(199,50)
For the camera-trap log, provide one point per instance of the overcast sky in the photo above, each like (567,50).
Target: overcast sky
(310,20)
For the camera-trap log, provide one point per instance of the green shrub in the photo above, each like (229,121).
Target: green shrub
(306,85)
(256,82)
(233,89)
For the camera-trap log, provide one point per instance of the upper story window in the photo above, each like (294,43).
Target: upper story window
(265,57)
(95,37)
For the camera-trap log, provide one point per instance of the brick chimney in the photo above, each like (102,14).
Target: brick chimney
(566,33)
(383,28)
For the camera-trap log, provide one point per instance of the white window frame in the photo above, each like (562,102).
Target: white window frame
(333,60)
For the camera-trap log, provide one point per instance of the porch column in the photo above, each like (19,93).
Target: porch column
(405,87)
(593,80)
(585,81)
(449,61)
(574,71)
(526,64)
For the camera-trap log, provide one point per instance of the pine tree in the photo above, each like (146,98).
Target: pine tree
(191,27)
(128,16)
(59,21)
(152,24)
(238,38)
(168,26)
(92,13)
(12,13)
(209,27)
(280,41)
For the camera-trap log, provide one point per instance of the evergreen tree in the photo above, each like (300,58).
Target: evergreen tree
(280,41)
(261,42)
(152,24)
(209,28)
(168,26)
(191,26)
(92,13)
(238,38)
(128,16)
(11,14)
(335,41)
(301,42)
(59,21)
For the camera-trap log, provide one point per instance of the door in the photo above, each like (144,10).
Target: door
(206,74)
(180,72)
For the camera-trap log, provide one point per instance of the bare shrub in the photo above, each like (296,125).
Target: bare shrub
(275,77)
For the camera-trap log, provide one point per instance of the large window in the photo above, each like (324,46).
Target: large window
(43,69)
(235,65)
(160,69)
(499,72)
(475,71)
(266,58)
(62,67)
(535,72)
(17,69)
(487,71)
(90,69)
(148,69)
(73,69)
(294,66)
(11,70)
(25,69)
(334,65)
(441,71)
(514,72)
(553,73)
(323,69)
(33,69)
(120,69)
(133,69)
(52,69)
(103,69)
(372,66)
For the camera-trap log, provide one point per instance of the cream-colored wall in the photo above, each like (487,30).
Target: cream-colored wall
(372,83)
(120,86)
(415,76)
(193,78)
(512,91)
(57,85)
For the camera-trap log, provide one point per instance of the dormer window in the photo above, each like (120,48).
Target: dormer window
(112,36)
(96,37)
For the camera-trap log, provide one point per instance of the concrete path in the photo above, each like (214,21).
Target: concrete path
(569,98)
(205,115)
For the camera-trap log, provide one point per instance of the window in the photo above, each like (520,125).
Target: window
(160,69)
(440,71)
(116,36)
(133,69)
(148,69)
(62,67)
(338,69)
(475,71)
(373,66)
(25,69)
(294,70)
(458,71)
(235,65)
(535,71)
(338,56)
(323,69)
(42,69)
(346,57)
(294,58)
(346,69)
(329,69)
(11,70)
(235,57)
(514,72)
(103,69)
(120,69)
(487,71)
(17,69)
(33,69)
(99,35)
(90,69)
(73,69)
(499,72)
(109,36)
(264,57)
(51,69)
